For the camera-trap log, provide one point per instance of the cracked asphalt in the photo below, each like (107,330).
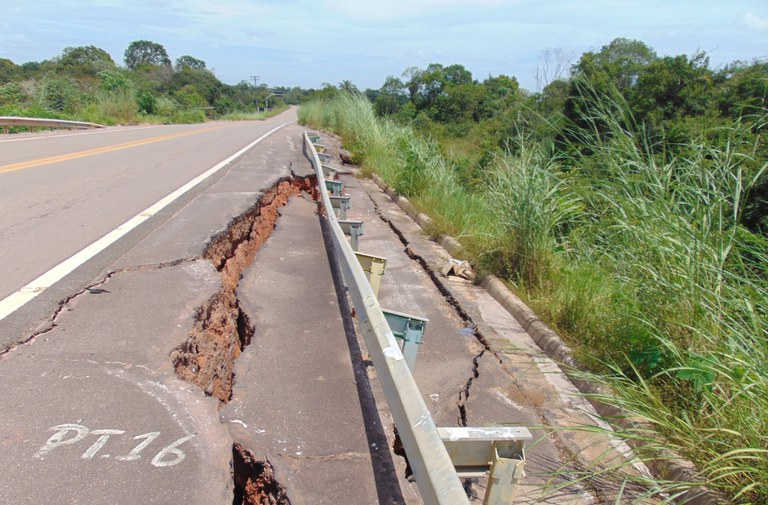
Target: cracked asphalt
(93,410)
(95,413)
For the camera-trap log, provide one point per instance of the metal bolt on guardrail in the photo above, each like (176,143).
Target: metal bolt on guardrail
(438,456)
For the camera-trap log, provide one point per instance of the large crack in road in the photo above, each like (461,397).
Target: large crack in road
(222,330)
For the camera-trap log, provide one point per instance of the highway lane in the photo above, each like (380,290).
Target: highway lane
(60,193)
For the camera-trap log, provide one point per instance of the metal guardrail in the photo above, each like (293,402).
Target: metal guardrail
(498,450)
(33,122)
(432,466)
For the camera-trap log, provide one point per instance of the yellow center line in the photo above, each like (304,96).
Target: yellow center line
(99,150)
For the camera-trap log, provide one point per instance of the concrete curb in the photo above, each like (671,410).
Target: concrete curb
(665,465)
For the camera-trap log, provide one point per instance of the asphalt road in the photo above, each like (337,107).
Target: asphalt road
(94,410)
(60,192)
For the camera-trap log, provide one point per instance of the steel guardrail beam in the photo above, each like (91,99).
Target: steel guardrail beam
(432,467)
(33,122)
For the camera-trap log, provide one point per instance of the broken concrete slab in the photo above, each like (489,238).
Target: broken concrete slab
(295,394)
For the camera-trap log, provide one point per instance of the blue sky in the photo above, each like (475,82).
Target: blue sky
(306,43)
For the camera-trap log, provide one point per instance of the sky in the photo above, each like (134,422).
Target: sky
(310,42)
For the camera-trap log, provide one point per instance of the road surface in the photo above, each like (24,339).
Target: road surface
(207,356)
(61,192)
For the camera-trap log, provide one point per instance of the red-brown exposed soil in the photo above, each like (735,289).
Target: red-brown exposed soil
(255,480)
(221,330)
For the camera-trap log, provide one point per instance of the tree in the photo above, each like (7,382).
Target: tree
(746,90)
(553,97)
(552,66)
(457,75)
(500,93)
(8,70)
(457,104)
(86,60)
(145,52)
(115,80)
(202,81)
(604,81)
(391,97)
(620,62)
(186,61)
(349,87)
(671,87)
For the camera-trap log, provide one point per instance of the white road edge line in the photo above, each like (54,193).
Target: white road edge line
(18,299)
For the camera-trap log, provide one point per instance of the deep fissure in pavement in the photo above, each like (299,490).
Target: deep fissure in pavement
(222,330)
(255,482)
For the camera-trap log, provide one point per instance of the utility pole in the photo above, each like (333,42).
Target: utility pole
(255,79)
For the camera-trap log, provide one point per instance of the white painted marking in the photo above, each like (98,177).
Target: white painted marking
(100,442)
(178,456)
(59,438)
(134,454)
(16,300)
(168,456)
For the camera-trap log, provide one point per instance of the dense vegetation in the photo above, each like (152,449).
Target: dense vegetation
(627,204)
(85,83)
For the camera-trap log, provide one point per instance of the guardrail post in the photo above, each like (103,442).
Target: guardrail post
(335,187)
(342,204)
(408,329)
(374,266)
(498,452)
(329,172)
(507,469)
(354,229)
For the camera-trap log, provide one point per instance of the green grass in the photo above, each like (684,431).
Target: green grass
(637,259)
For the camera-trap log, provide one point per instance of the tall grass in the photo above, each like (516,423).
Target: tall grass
(692,283)
(118,104)
(637,258)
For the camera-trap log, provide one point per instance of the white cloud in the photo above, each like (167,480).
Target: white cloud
(755,22)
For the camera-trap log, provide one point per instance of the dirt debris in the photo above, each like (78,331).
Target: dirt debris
(221,330)
(255,482)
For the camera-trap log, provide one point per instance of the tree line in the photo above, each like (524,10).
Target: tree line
(665,101)
(86,83)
